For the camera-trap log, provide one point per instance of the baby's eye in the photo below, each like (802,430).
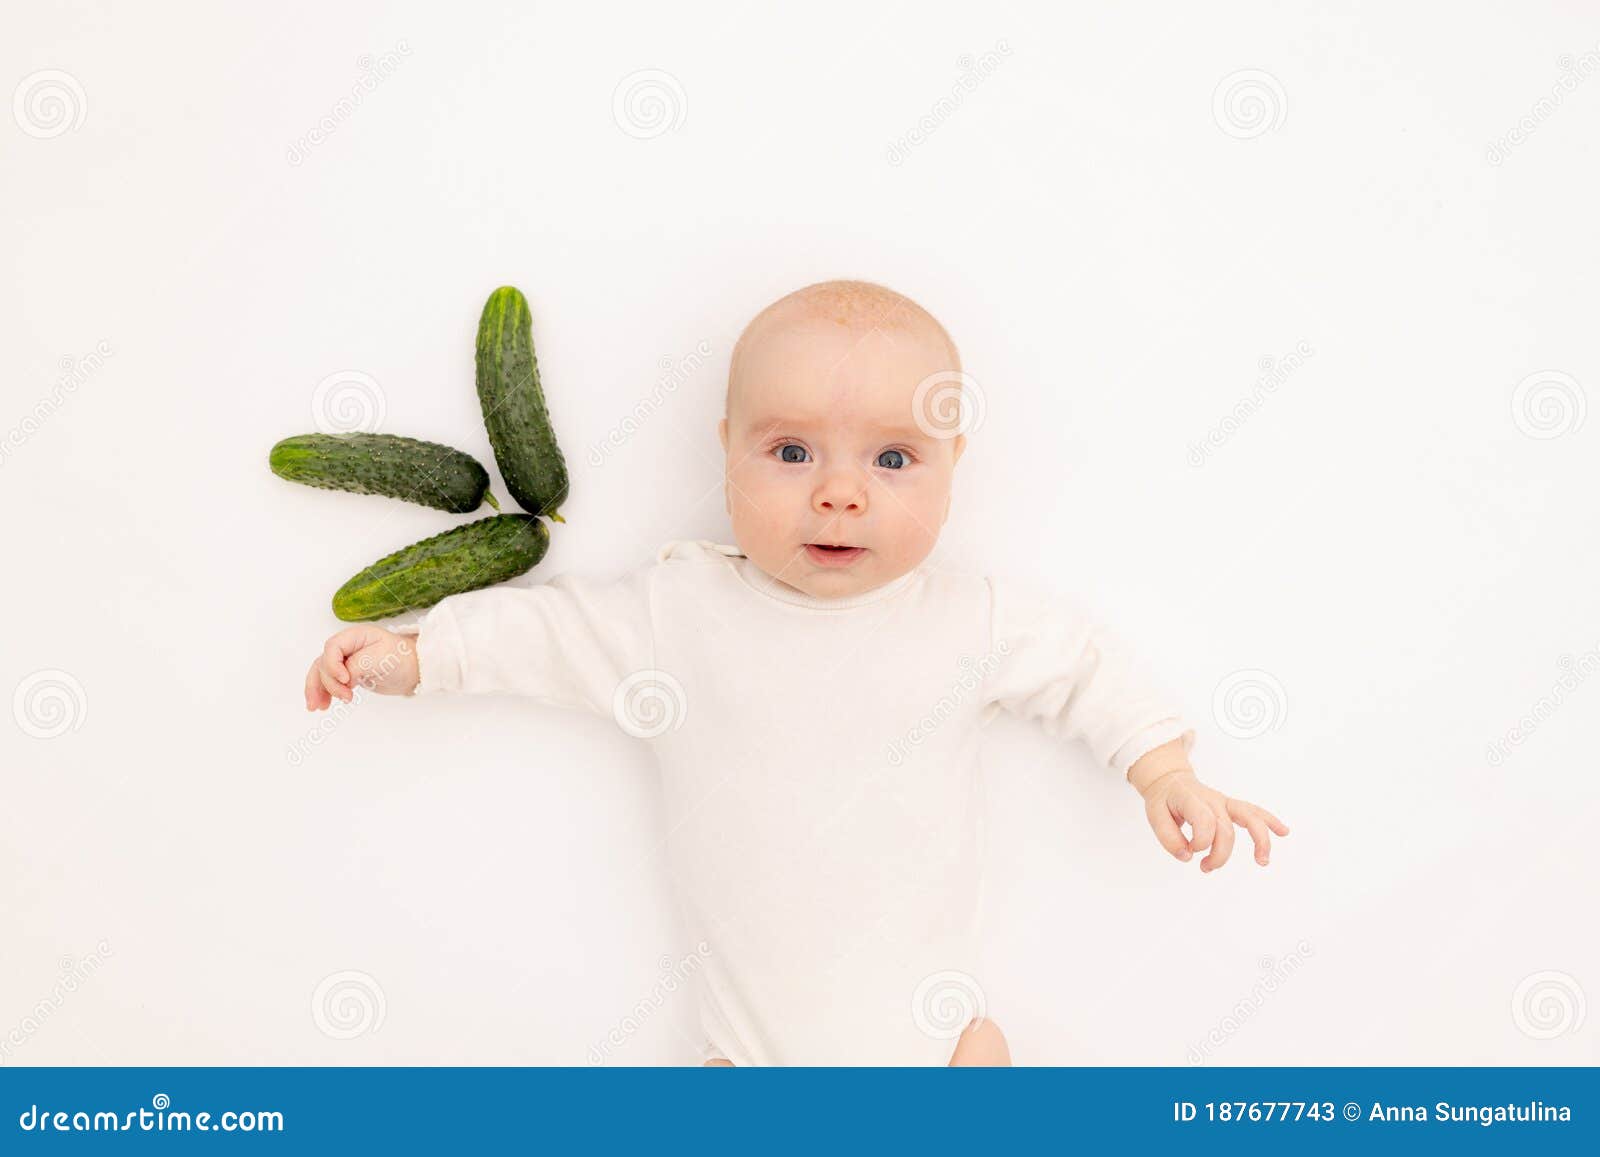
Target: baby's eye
(892,459)
(783,452)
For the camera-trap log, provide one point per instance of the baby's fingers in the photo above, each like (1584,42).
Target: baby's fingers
(1257,827)
(335,688)
(1168,832)
(1278,826)
(316,694)
(336,648)
(1256,822)
(1222,848)
(1202,821)
(322,688)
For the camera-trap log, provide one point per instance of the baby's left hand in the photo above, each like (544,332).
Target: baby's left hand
(1178,797)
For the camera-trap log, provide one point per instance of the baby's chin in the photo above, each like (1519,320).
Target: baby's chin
(822,573)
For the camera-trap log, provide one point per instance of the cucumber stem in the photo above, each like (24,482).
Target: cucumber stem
(488,496)
(556,517)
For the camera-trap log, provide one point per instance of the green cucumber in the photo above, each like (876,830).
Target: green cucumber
(417,471)
(513,406)
(466,558)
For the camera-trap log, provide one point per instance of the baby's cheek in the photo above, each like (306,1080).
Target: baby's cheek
(739,491)
(916,527)
(755,518)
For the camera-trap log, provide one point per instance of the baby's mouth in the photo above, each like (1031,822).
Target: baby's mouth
(833,554)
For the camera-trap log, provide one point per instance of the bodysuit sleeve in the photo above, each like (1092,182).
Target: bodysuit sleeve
(1052,662)
(570,642)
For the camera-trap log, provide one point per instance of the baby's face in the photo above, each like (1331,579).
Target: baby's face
(824,449)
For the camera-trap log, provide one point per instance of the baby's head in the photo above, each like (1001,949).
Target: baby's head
(832,436)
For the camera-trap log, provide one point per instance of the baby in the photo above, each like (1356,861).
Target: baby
(816,695)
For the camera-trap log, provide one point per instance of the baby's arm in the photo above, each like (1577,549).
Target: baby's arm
(1056,665)
(569,642)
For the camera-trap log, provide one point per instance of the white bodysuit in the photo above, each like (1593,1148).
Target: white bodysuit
(820,760)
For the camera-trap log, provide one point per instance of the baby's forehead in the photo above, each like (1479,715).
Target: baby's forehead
(884,322)
(864,404)
(837,351)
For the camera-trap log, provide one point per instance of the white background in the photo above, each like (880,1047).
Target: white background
(1386,536)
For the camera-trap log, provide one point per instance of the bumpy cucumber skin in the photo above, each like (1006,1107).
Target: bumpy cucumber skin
(466,558)
(422,472)
(513,406)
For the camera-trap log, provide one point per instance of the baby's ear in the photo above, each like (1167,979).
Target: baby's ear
(722,434)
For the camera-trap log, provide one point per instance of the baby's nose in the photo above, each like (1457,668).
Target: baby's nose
(840,494)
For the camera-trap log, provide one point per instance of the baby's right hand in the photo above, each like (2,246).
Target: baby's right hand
(377,659)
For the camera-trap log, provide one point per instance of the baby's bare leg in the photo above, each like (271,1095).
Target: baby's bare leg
(981,1044)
